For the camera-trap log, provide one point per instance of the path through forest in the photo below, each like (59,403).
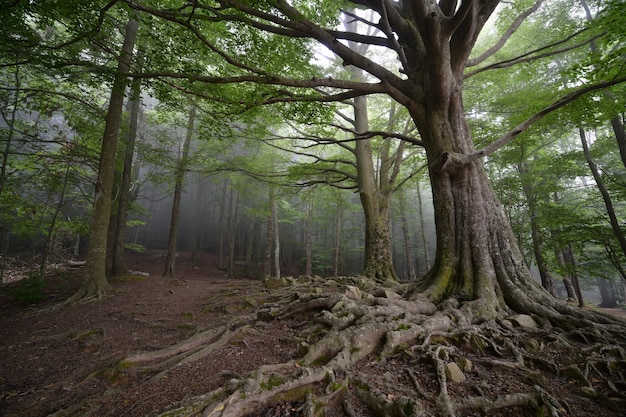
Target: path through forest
(65,362)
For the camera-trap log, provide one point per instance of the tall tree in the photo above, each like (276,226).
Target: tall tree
(95,284)
(478,261)
(181,168)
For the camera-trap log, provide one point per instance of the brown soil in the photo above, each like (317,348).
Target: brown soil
(61,359)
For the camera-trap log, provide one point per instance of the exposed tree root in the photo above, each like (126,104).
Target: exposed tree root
(342,333)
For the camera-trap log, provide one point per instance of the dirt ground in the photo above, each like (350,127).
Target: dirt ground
(57,361)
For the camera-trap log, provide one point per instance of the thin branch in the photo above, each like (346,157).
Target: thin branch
(448,161)
(530,56)
(505,37)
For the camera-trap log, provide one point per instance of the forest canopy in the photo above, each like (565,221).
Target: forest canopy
(470,155)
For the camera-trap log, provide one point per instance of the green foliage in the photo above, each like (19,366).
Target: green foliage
(30,290)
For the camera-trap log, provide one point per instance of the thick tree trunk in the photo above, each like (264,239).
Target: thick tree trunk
(478,261)
(170,260)
(606,293)
(95,284)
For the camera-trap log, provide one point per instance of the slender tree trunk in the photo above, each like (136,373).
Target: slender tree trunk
(617,123)
(569,287)
(250,244)
(537,241)
(337,240)
(232,228)
(197,226)
(118,266)
(221,258)
(408,243)
(308,238)
(95,284)
(276,235)
(269,236)
(420,209)
(606,197)
(170,260)
(570,265)
(51,229)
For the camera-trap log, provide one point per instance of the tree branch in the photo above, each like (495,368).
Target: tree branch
(451,161)
(505,37)
(528,57)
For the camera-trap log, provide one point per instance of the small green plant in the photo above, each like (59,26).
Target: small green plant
(30,290)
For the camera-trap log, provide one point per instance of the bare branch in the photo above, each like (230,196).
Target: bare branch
(530,57)
(448,161)
(505,37)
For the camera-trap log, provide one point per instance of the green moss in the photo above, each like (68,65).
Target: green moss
(89,333)
(404,326)
(129,278)
(273,381)
(30,290)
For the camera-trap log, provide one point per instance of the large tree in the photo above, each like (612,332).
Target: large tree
(477,261)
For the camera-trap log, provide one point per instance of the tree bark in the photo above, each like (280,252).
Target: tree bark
(308,237)
(535,232)
(408,243)
(118,265)
(232,228)
(170,260)
(420,210)
(337,239)
(95,284)
(276,234)
(606,197)
(221,258)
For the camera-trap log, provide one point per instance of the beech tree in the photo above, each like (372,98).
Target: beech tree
(477,259)
(479,278)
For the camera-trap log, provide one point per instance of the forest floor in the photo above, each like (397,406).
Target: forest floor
(62,361)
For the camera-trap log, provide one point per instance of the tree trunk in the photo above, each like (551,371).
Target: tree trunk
(606,293)
(478,261)
(232,228)
(337,239)
(269,236)
(308,238)
(196,228)
(170,260)
(55,215)
(95,284)
(420,209)
(378,262)
(408,243)
(276,234)
(118,265)
(606,197)
(535,232)
(221,259)
(570,267)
